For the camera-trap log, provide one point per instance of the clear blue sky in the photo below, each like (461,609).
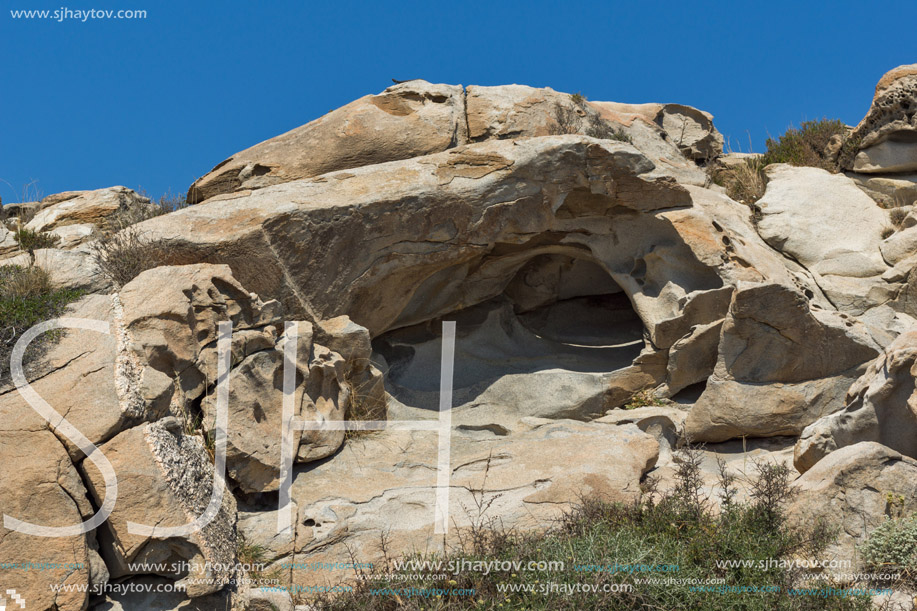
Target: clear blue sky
(155,103)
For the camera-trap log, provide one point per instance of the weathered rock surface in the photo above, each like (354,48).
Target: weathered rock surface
(165,479)
(148,596)
(881,406)
(172,314)
(781,365)
(407,120)
(899,246)
(690,129)
(849,490)
(583,260)
(468,219)
(256,409)
(887,135)
(383,485)
(418,118)
(74,216)
(829,226)
(72,269)
(8,244)
(90,381)
(38,484)
(895,191)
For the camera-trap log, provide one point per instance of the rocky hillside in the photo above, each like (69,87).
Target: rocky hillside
(590,264)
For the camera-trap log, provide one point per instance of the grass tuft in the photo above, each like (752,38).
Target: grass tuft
(26,299)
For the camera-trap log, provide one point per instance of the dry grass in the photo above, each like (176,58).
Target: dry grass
(809,145)
(23,282)
(897,216)
(744,182)
(365,405)
(124,255)
(169,202)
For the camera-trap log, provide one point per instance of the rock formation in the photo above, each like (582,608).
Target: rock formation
(585,258)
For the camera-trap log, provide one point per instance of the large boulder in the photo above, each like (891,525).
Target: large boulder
(886,138)
(688,128)
(407,120)
(165,479)
(781,365)
(74,216)
(322,392)
(396,244)
(881,407)
(39,484)
(383,488)
(833,229)
(418,118)
(583,224)
(401,243)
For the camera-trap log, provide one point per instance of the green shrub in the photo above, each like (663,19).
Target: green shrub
(893,543)
(26,299)
(806,146)
(31,241)
(680,530)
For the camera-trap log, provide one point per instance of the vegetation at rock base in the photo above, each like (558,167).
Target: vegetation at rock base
(820,143)
(26,299)
(892,546)
(675,536)
(897,215)
(744,181)
(646,398)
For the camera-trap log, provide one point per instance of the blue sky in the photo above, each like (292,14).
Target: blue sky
(155,103)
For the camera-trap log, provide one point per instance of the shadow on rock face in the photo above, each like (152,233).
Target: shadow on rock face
(553,361)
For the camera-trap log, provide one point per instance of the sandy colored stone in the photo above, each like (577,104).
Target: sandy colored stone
(881,406)
(780,366)
(165,479)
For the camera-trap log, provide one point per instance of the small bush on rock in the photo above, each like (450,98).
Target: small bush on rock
(585,120)
(26,299)
(30,241)
(123,256)
(744,181)
(897,215)
(807,145)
